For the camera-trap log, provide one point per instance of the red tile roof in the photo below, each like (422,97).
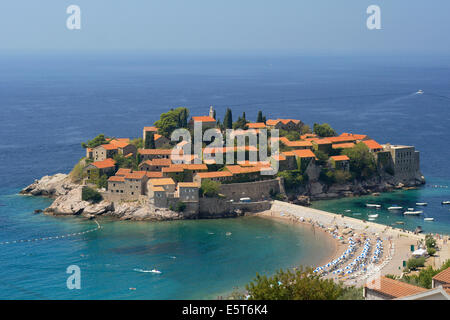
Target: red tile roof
(162,182)
(203,119)
(341,139)
(343,145)
(156,151)
(188,185)
(172,169)
(256,125)
(214,174)
(303,153)
(116,179)
(120,143)
(136,175)
(154,174)
(356,136)
(372,144)
(107,163)
(299,143)
(443,276)
(123,171)
(109,146)
(272,122)
(393,288)
(340,158)
(152,129)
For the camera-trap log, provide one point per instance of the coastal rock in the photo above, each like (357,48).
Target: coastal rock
(50,186)
(68,204)
(98,208)
(316,189)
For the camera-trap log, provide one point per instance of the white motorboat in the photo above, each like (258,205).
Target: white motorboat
(373,216)
(370,205)
(445,202)
(421,204)
(419,92)
(413,213)
(410,209)
(428,219)
(395,208)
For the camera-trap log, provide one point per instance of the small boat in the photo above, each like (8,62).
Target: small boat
(371,219)
(445,202)
(400,222)
(348,210)
(421,204)
(228,234)
(370,205)
(156,271)
(373,215)
(419,92)
(413,213)
(410,209)
(395,208)
(356,213)
(428,219)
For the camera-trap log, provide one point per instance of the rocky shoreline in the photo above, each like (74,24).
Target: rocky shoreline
(68,200)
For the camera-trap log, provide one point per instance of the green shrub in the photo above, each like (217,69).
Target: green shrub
(431,251)
(91,195)
(180,206)
(414,263)
(77,173)
(210,188)
(430,242)
(362,162)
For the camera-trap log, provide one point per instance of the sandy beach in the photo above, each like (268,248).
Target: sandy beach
(396,243)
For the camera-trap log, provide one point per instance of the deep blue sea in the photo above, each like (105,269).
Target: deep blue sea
(51,103)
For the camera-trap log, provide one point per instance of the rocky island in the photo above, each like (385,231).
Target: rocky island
(159,178)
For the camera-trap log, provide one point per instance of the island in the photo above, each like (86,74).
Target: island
(154,178)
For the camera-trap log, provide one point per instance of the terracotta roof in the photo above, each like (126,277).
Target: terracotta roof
(160,162)
(162,182)
(343,145)
(108,146)
(120,143)
(172,169)
(308,135)
(356,136)
(340,158)
(393,288)
(123,171)
(152,129)
(107,163)
(272,122)
(190,166)
(116,179)
(256,125)
(341,139)
(372,144)
(299,143)
(135,175)
(322,141)
(443,276)
(236,169)
(248,163)
(304,153)
(156,151)
(214,174)
(157,136)
(188,185)
(204,119)
(155,189)
(154,174)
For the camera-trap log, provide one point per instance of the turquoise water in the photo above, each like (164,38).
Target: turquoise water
(197,258)
(434,192)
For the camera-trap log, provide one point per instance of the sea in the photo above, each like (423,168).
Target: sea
(50,103)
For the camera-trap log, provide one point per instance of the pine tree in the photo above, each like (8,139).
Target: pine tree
(259,118)
(228,119)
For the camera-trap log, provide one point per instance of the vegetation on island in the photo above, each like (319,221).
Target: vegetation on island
(209,188)
(171,120)
(299,284)
(362,162)
(324,130)
(91,195)
(98,140)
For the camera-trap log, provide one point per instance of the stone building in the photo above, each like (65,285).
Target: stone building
(405,161)
(207,122)
(218,176)
(340,162)
(128,184)
(387,289)
(155,164)
(187,191)
(150,154)
(115,146)
(98,168)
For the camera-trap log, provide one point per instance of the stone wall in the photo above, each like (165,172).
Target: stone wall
(216,207)
(258,190)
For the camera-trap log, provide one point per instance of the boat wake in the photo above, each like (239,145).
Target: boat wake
(147,271)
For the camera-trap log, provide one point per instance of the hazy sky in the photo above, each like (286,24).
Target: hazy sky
(300,26)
